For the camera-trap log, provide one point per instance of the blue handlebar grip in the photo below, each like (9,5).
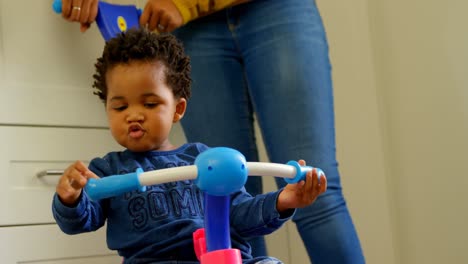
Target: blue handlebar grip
(57,6)
(114,185)
(301,172)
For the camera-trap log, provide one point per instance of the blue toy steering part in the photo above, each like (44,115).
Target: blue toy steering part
(111,19)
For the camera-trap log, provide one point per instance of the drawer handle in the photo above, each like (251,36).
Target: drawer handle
(46,173)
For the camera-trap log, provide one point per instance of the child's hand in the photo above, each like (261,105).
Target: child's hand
(72,182)
(303,193)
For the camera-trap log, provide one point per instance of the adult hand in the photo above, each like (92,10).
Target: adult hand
(161,15)
(72,182)
(82,11)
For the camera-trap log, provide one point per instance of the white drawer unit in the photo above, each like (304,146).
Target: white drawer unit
(28,233)
(46,75)
(43,244)
(49,118)
(26,152)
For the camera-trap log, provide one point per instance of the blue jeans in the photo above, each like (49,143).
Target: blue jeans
(271,58)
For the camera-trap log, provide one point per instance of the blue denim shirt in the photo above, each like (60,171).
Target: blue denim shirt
(157,224)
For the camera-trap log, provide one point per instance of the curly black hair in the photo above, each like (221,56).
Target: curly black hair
(143,45)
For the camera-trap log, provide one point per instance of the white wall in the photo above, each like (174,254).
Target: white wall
(420,51)
(401,79)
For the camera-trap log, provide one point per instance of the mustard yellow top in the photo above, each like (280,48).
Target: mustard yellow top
(192,9)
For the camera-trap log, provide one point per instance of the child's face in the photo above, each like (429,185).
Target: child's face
(140,107)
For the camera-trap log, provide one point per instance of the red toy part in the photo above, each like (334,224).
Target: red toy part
(222,256)
(199,242)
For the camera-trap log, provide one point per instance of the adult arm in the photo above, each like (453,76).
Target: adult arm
(161,15)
